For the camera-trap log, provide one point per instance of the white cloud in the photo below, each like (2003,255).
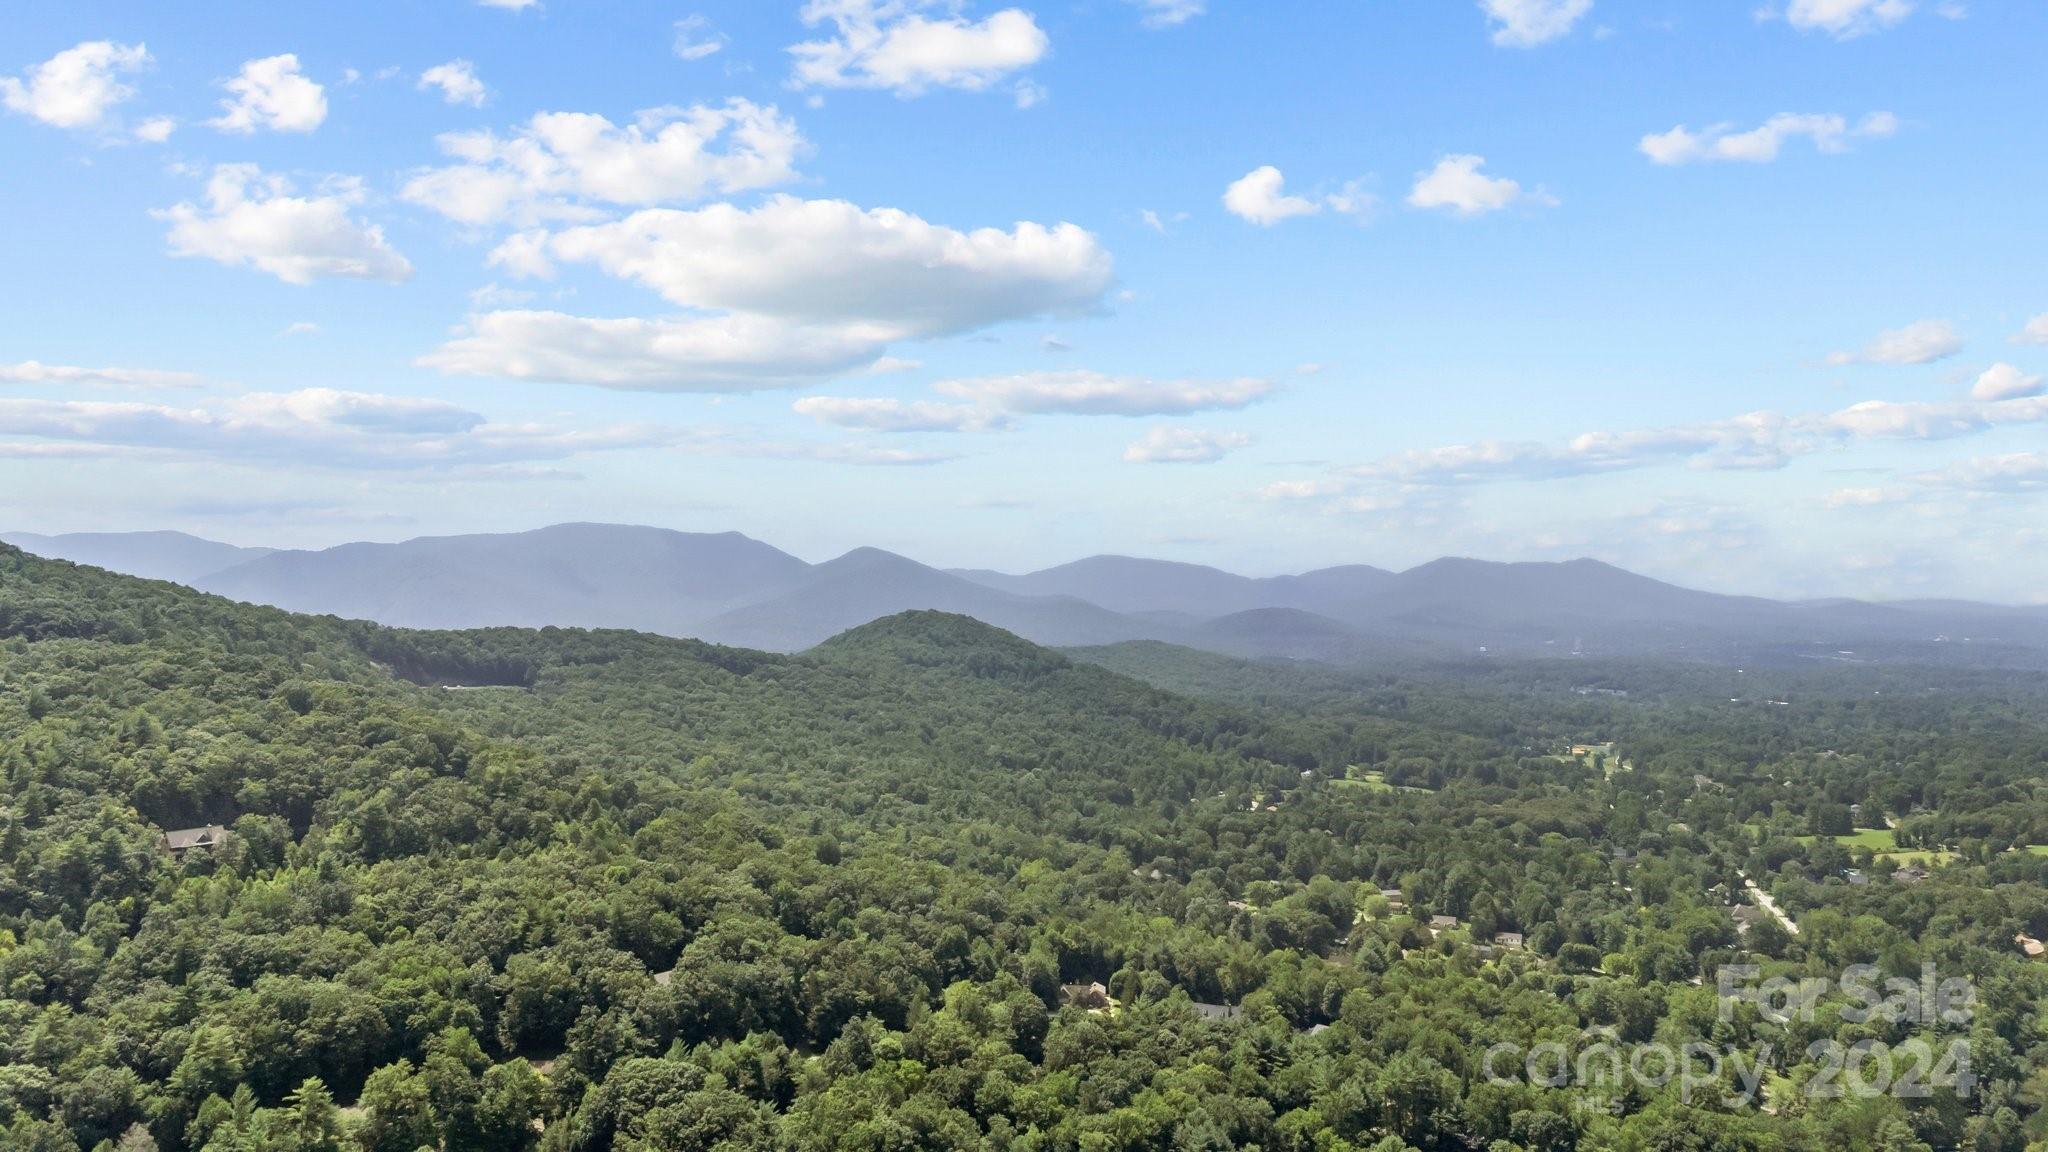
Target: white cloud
(2036,331)
(510,5)
(1865,497)
(1458,185)
(325,428)
(892,44)
(1300,489)
(316,427)
(1082,392)
(558,162)
(494,296)
(1029,94)
(779,294)
(893,274)
(1757,440)
(1260,197)
(1528,23)
(1923,342)
(1828,132)
(696,39)
(156,129)
(1183,446)
(1844,19)
(34,372)
(256,220)
(1170,13)
(524,255)
(457,81)
(2004,382)
(300,328)
(882,414)
(2015,472)
(736,353)
(270,93)
(320,428)
(77,87)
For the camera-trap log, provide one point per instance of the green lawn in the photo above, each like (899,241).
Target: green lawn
(1373,780)
(1885,846)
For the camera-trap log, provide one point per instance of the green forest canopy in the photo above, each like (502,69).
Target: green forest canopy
(582,890)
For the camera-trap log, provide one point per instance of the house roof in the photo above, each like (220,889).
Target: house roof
(1217,1011)
(182,838)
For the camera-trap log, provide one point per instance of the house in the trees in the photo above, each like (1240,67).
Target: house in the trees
(182,840)
(1092,996)
(1438,925)
(1217,1011)
(1508,940)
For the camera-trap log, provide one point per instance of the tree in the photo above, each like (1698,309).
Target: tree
(311,1122)
(398,1112)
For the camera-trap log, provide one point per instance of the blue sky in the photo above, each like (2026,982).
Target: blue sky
(1745,298)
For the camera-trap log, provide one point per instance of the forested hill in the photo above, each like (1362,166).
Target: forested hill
(584,891)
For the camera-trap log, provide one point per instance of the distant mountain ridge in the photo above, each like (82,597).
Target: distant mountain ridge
(731,589)
(173,556)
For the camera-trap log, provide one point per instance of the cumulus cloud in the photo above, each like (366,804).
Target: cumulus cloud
(35,372)
(883,414)
(829,261)
(894,45)
(1165,445)
(736,353)
(1528,23)
(457,82)
(2036,331)
(510,5)
(1923,342)
(1457,185)
(1170,13)
(77,87)
(559,163)
(696,39)
(1259,196)
(1762,144)
(2002,381)
(270,93)
(156,129)
(1086,393)
(783,292)
(256,220)
(1845,19)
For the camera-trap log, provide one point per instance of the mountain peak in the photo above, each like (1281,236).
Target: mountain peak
(944,639)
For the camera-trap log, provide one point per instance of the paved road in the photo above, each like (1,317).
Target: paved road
(1763,900)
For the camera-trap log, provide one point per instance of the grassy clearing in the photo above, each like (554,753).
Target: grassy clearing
(1885,846)
(1373,780)
(1608,761)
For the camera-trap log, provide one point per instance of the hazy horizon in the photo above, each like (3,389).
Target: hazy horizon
(1736,299)
(973,565)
